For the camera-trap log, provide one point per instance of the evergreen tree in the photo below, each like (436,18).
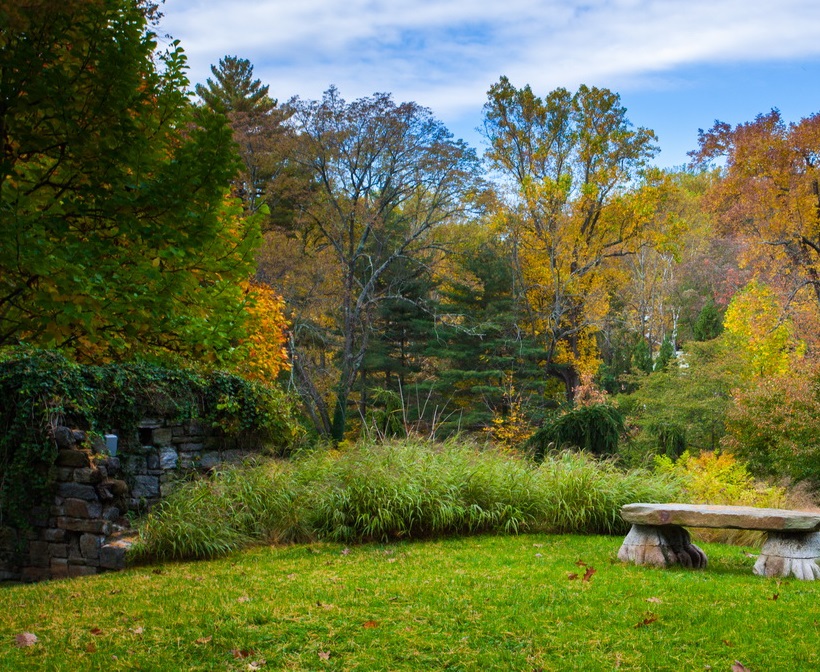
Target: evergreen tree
(235,90)
(665,355)
(709,324)
(642,356)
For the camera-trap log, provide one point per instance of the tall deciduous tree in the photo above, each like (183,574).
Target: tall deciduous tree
(771,191)
(569,159)
(385,177)
(116,236)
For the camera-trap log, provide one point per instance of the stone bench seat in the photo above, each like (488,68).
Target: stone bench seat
(658,536)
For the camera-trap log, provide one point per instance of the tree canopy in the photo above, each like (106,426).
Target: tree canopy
(118,236)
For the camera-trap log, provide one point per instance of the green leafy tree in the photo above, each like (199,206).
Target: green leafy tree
(682,407)
(642,356)
(116,236)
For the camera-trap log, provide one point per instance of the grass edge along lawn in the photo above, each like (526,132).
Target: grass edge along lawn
(528,602)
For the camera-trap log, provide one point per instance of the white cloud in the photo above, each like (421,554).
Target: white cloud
(446,53)
(412,45)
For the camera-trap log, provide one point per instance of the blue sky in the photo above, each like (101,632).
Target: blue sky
(677,64)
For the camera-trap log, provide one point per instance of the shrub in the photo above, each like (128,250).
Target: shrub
(775,425)
(719,478)
(596,428)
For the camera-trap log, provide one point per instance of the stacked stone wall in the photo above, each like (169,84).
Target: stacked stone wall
(84,529)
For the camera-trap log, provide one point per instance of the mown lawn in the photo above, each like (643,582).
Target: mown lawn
(533,602)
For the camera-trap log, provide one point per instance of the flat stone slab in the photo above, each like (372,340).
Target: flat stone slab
(732,517)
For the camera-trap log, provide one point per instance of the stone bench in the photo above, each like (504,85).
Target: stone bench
(658,536)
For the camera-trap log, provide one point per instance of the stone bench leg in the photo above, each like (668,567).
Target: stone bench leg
(661,546)
(786,554)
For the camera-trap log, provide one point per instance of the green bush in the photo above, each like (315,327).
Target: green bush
(398,490)
(596,428)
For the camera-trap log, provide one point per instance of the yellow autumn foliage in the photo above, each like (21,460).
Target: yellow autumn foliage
(262,353)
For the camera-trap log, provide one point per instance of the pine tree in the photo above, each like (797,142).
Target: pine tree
(235,90)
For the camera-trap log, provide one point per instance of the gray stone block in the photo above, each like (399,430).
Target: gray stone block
(88,475)
(79,508)
(64,437)
(146,487)
(163,436)
(112,556)
(77,491)
(168,458)
(58,550)
(191,447)
(58,568)
(152,461)
(134,464)
(90,546)
(93,526)
(210,460)
(53,535)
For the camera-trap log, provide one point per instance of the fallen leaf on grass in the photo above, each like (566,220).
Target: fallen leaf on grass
(370,624)
(739,667)
(138,631)
(91,647)
(580,563)
(774,597)
(654,600)
(324,655)
(572,576)
(345,551)
(539,555)
(241,653)
(244,598)
(25,639)
(588,574)
(204,640)
(727,642)
(96,631)
(257,664)
(651,618)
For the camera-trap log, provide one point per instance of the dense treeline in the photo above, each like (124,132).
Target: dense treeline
(392,277)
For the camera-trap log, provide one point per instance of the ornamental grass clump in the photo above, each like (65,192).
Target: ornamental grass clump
(406,489)
(584,495)
(213,516)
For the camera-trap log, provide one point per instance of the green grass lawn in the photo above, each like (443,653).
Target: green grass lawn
(483,603)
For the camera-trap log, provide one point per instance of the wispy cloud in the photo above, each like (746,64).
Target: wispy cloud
(446,53)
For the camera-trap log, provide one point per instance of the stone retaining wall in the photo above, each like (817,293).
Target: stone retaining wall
(84,529)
